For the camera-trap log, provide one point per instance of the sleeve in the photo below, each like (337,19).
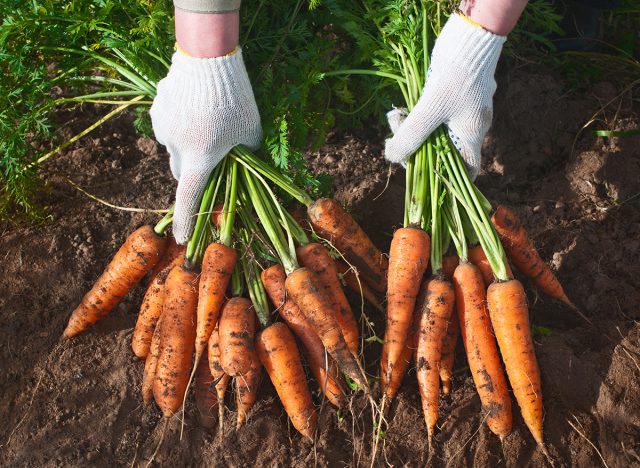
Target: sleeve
(208,6)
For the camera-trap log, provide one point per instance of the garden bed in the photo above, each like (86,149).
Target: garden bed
(79,403)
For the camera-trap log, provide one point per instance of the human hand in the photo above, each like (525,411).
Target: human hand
(203,108)
(458,92)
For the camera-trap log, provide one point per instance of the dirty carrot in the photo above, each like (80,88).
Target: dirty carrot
(218,263)
(150,365)
(316,258)
(278,353)
(449,264)
(307,293)
(332,222)
(206,398)
(247,389)
(218,375)
(434,316)
(151,306)
(408,259)
(510,318)
(323,367)
(478,258)
(481,348)
(350,277)
(448,354)
(236,332)
(524,255)
(390,388)
(139,254)
(177,338)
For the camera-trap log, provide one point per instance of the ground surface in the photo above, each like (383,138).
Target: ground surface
(78,404)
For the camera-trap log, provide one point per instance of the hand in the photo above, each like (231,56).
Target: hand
(204,107)
(458,92)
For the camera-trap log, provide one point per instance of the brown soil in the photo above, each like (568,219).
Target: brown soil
(78,403)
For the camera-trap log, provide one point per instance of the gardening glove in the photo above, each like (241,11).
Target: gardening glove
(458,92)
(204,107)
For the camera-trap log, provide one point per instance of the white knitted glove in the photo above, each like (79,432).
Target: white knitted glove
(458,92)
(204,107)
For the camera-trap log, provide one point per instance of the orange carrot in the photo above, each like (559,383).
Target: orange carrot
(177,338)
(448,355)
(151,307)
(390,389)
(307,293)
(323,366)
(206,398)
(482,350)
(478,258)
(408,259)
(218,375)
(434,316)
(236,331)
(247,389)
(218,263)
(524,255)
(216,214)
(139,254)
(510,318)
(278,353)
(449,264)
(150,365)
(316,258)
(332,222)
(350,277)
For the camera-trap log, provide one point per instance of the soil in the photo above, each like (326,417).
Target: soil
(78,403)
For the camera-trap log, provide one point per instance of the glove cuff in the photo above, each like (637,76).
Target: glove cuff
(220,82)
(461,39)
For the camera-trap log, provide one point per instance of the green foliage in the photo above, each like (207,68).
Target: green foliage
(115,50)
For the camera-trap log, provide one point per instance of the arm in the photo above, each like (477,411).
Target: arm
(496,16)
(205,35)
(205,105)
(460,85)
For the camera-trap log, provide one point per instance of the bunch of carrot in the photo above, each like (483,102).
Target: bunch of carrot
(432,298)
(196,320)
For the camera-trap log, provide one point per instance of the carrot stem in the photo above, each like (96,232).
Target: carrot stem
(164,223)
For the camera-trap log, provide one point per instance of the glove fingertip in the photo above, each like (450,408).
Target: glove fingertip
(394,154)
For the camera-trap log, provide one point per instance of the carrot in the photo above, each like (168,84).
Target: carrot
(449,264)
(278,353)
(177,338)
(139,254)
(218,375)
(304,287)
(150,365)
(236,331)
(510,318)
(408,258)
(217,267)
(448,354)
(390,388)
(478,258)
(323,367)
(332,222)
(316,258)
(481,348)
(350,277)
(434,316)
(206,398)
(247,389)
(151,307)
(524,255)
(216,214)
